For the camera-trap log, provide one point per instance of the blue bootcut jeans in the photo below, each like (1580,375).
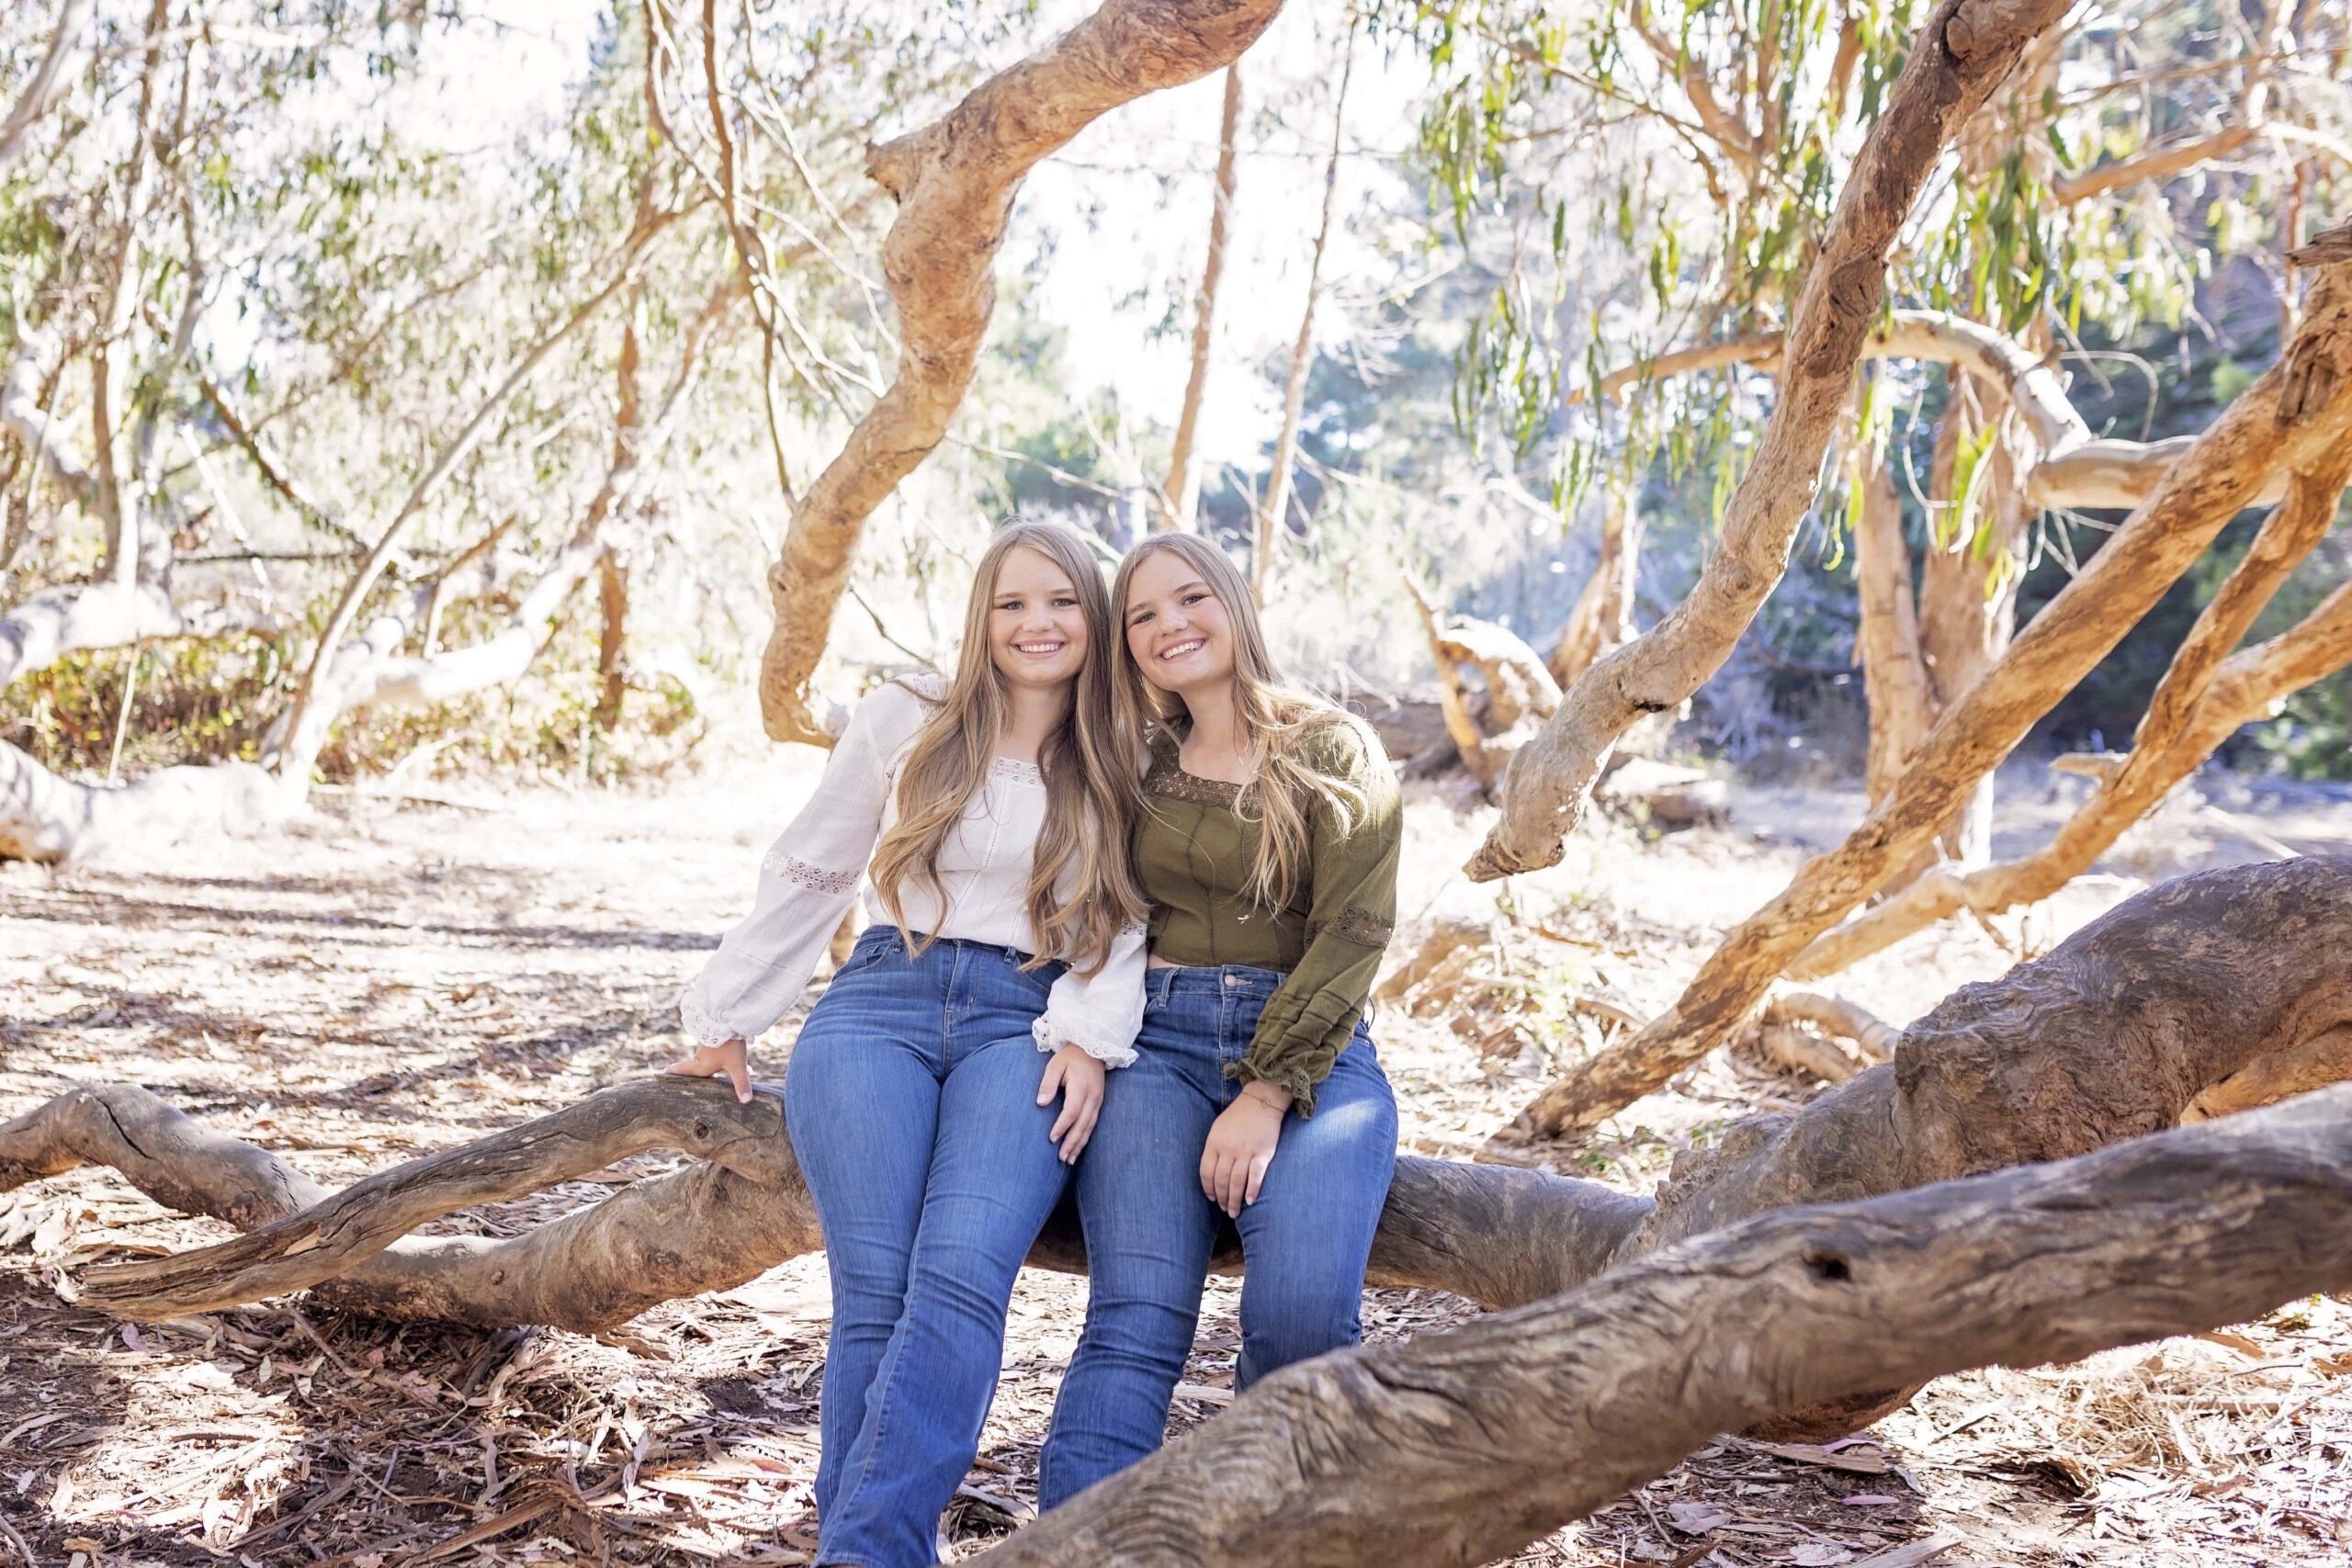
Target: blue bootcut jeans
(1150,1229)
(912,1097)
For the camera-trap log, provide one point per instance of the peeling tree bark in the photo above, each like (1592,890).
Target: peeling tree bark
(1959,58)
(954,181)
(2296,418)
(1462,1446)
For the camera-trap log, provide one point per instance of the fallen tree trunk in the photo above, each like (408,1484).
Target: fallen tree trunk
(1462,1446)
(954,181)
(2296,417)
(1961,55)
(2113,1034)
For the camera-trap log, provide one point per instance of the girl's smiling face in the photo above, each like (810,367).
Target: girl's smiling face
(1178,631)
(1036,623)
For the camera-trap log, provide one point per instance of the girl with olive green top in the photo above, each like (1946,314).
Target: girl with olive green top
(1267,843)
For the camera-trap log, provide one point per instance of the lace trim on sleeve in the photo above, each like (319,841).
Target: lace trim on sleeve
(1052,1034)
(1356,926)
(815,879)
(696,1019)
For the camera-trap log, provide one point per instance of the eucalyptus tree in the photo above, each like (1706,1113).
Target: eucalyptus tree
(2129,155)
(293,347)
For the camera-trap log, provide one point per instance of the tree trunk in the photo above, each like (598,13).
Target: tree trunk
(1273,513)
(2246,686)
(51,81)
(1894,672)
(1958,58)
(1179,498)
(1968,590)
(954,181)
(1602,618)
(1462,1446)
(2296,417)
(612,601)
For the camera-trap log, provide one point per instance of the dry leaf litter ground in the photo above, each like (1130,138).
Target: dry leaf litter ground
(394,977)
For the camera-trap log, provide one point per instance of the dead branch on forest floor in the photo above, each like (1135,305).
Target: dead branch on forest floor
(1460,1447)
(2110,1035)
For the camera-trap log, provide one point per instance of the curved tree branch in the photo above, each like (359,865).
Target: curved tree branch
(69,46)
(1462,1446)
(1961,55)
(955,180)
(2296,418)
(2212,980)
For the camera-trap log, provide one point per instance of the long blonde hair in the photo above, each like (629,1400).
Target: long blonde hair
(1279,718)
(1091,786)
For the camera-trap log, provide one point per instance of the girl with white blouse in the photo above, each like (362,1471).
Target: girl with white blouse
(990,815)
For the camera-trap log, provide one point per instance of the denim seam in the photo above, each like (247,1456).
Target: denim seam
(884,1377)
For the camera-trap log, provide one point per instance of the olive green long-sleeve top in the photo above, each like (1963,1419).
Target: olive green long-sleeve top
(1194,842)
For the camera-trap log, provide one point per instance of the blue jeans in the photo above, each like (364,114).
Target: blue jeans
(912,1101)
(1150,1229)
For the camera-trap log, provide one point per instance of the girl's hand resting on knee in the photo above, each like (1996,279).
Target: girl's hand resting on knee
(1078,1078)
(1242,1145)
(730,1060)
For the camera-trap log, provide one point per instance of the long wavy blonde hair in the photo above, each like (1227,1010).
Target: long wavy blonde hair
(1278,718)
(1081,891)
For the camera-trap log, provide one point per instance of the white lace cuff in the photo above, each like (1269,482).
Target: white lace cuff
(698,1022)
(1052,1034)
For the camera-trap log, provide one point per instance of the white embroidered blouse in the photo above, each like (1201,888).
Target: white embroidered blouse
(808,878)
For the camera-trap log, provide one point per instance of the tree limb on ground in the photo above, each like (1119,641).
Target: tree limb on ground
(2296,418)
(1462,1447)
(1961,55)
(2192,985)
(955,180)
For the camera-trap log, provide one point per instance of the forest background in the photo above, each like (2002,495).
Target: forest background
(364,220)
(410,403)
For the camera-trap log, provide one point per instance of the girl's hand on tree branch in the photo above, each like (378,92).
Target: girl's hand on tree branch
(1078,1078)
(730,1060)
(1242,1145)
